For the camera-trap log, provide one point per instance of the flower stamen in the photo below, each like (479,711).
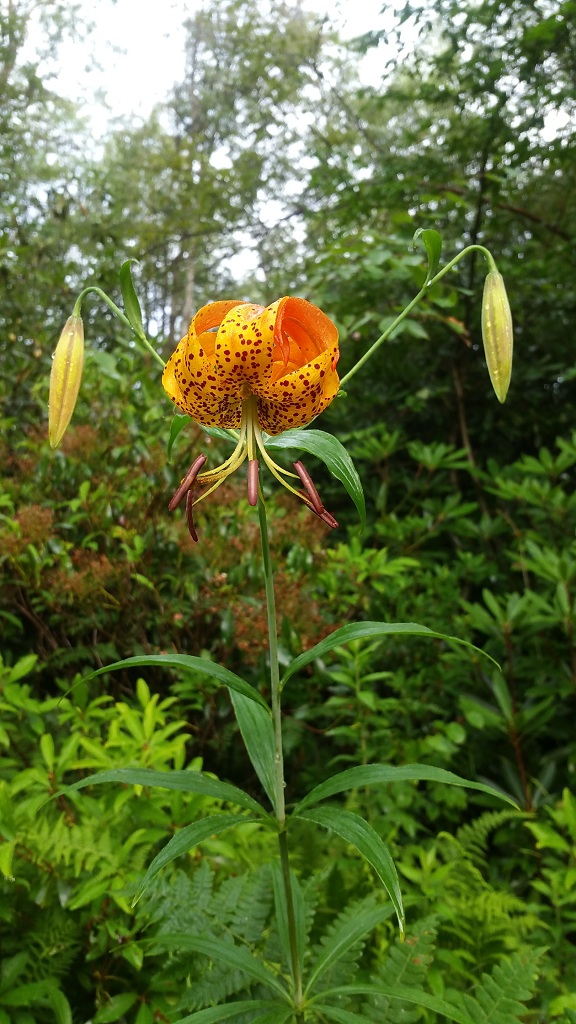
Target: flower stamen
(309,486)
(189,518)
(253,482)
(187,482)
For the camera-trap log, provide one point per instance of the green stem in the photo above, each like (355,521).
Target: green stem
(138,334)
(402,316)
(279,800)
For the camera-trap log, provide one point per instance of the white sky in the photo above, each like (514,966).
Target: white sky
(134,54)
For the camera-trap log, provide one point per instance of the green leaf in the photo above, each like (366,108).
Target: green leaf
(214,1014)
(433,244)
(360,630)
(22,667)
(341,1016)
(7,850)
(115,1008)
(144,1015)
(258,735)
(220,434)
(332,453)
(60,1006)
(177,425)
(24,995)
(383,774)
(236,957)
(191,664)
(338,944)
(278,1016)
(129,297)
(186,781)
(187,838)
(393,992)
(353,829)
(282,915)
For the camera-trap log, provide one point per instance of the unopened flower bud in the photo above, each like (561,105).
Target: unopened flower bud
(497,333)
(65,379)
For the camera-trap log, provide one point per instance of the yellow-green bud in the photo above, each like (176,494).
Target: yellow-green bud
(497,333)
(65,379)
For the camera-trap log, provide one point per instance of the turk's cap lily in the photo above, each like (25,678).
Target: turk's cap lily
(284,355)
(497,333)
(65,377)
(254,368)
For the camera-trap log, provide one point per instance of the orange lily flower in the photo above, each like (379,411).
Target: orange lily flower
(252,368)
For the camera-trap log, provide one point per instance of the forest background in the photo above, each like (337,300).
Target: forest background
(271,144)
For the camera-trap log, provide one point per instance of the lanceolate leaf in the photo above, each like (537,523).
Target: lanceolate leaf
(60,1005)
(214,1014)
(187,782)
(191,664)
(338,944)
(129,297)
(258,735)
(341,1016)
(283,1015)
(433,243)
(186,839)
(403,992)
(219,434)
(383,774)
(237,957)
(282,915)
(353,829)
(115,1008)
(332,453)
(177,425)
(24,995)
(359,630)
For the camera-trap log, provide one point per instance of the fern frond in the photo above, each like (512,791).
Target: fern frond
(53,944)
(406,965)
(473,837)
(500,997)
(236,912)
(335,958)
(242,905)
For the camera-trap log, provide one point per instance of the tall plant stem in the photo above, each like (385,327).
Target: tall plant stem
(137,332)
(279,801)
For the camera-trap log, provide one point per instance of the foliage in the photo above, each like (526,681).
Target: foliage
(272,142)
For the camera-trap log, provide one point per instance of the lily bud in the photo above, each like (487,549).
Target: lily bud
(65,378)
(497,333)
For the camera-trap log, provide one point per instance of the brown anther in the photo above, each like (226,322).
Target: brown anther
(323,515)
(253,482)
(311,491)
(328,519)
(189,519)
(187,482)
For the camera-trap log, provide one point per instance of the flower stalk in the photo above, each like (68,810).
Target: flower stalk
(279,783)
(499,334)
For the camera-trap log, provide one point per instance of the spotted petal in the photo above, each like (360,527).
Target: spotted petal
(304,379)
(192,377)
(285,355)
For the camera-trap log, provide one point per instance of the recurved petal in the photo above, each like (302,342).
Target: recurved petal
(301,333)
(212,315)
(186,382)
(243,352)
(297,397)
